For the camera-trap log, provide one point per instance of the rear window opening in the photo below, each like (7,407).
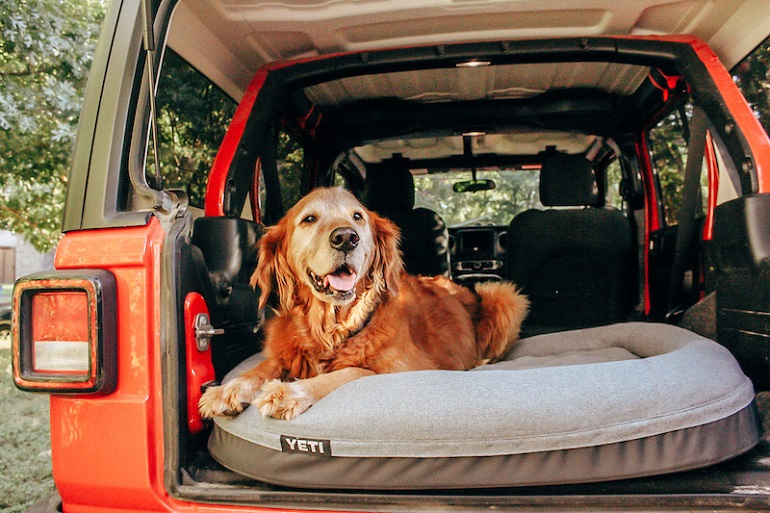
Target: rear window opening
(603,122)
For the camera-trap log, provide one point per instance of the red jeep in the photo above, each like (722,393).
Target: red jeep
(616,175)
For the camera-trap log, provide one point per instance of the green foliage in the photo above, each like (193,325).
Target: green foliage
(291,159)
(669,148)
(614,174)
(193,115)
(515,192)
(751,75)
(669,156)
(46,47)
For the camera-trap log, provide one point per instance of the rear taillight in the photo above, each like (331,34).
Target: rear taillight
(64,332)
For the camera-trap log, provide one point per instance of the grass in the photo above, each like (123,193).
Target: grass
(25,457)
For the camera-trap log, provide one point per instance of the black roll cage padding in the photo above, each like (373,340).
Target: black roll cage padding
(586,110)
(257,140)
(688,210)
(273,207)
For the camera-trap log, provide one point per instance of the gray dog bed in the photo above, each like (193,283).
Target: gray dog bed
(597,404)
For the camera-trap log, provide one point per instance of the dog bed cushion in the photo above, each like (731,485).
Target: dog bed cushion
(597,404)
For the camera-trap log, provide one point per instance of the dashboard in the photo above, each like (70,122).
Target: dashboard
(477,253)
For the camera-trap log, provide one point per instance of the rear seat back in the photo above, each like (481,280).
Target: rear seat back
(390,192)
(576,264)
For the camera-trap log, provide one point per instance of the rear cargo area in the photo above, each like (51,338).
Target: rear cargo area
(742,481)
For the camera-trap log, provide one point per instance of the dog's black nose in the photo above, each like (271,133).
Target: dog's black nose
(344,239)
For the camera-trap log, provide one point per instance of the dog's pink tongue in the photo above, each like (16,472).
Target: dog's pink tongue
(343,281)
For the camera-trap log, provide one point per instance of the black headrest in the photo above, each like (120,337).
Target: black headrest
(389,188)
(567,181)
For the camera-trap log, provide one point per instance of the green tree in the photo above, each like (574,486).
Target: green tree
(46,48)
(751,75)
(669,156)
(515,192)
(193,115)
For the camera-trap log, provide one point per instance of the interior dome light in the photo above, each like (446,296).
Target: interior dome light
(472,64)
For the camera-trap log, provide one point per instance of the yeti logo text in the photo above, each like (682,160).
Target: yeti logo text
(306,445)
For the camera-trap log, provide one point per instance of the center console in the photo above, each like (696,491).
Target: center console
(477,253)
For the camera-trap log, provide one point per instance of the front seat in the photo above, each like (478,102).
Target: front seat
(389,191)
(576,264)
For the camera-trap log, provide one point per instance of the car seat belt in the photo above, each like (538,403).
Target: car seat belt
(688,212)
(273,208)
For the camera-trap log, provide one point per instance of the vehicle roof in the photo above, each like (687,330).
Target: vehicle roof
(672,68)
(229,39)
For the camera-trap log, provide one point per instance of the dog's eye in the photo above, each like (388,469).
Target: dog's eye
(309,219)
(358,216)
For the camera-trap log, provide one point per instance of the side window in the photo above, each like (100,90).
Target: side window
(193,116)
(668,148)
(751,76)
(613,177)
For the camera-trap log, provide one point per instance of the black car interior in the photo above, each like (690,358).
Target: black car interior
(578,260)
(575,260)
(389,191)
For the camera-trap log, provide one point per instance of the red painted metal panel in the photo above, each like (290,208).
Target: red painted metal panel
(200,370)
(108,450)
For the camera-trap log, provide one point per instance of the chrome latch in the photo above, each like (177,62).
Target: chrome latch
(204,331)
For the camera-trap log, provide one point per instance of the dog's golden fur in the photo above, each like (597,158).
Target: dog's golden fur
(348,310)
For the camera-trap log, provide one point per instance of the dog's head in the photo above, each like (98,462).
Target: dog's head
(330,245)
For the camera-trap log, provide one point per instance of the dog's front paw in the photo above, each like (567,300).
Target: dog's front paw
(227,399)
(282,400)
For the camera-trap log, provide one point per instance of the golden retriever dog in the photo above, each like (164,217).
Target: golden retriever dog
(346,310)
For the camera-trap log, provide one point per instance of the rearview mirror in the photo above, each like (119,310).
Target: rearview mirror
(474,186)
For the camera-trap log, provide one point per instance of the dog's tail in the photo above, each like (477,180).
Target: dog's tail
(502,309)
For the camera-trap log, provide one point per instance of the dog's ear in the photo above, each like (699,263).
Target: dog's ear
(272,267)
(387,262)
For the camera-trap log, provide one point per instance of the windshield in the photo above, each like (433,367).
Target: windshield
(515,192)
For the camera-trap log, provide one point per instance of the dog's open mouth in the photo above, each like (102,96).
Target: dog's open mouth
(339,284)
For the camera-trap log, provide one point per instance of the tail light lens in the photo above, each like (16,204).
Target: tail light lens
(64,332)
